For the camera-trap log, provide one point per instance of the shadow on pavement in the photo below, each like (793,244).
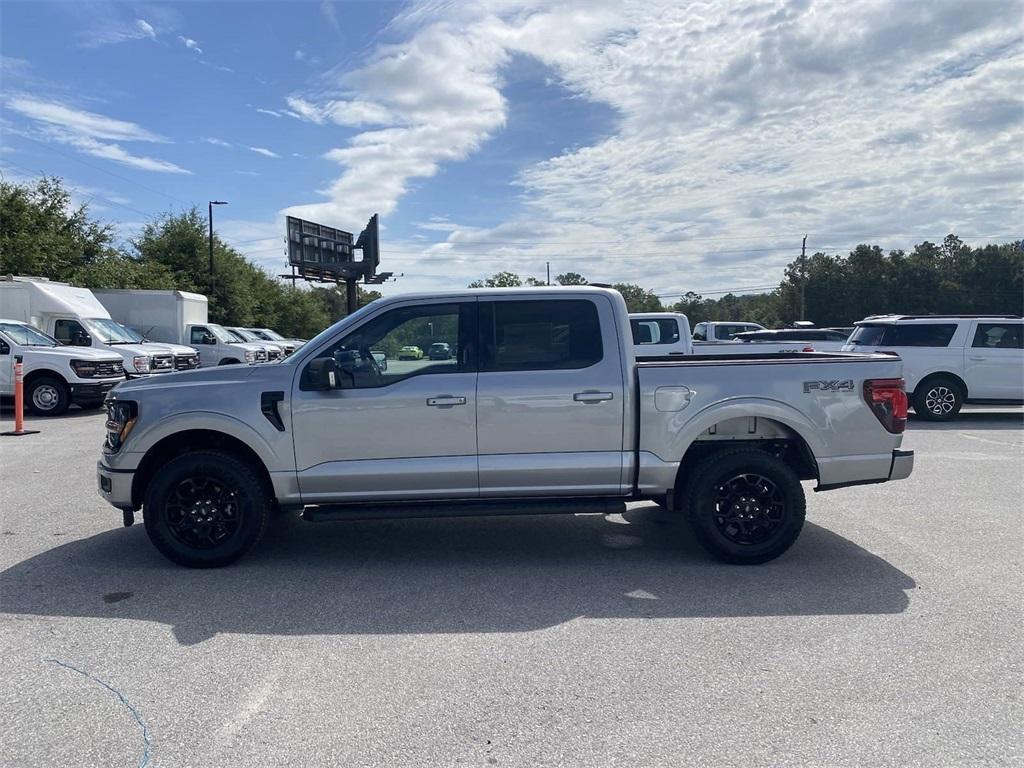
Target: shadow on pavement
(448,575)
(972,420)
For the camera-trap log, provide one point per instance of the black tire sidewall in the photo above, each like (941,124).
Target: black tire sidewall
(64,396)
(253,503)
(700,504)
(921,392)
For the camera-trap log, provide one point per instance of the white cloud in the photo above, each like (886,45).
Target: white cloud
(80,121)
(191,44)
(145,29)
(216,142)
(270,112)
(299,54)
(264,151)
(90,133)
(736,128)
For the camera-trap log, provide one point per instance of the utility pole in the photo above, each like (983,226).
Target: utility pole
(549,272)
(212,203)
(803,278)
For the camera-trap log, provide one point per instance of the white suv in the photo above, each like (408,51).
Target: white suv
(949,360)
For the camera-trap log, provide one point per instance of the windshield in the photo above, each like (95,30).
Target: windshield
(243,334)
(111,332)
(27,336)
(223,334)
(266,333)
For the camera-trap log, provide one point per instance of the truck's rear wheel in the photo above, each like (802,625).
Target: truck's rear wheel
(47,396)
(938,399)
(745,506)
(205,509)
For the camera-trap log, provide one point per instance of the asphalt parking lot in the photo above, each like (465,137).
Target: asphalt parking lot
(890,635)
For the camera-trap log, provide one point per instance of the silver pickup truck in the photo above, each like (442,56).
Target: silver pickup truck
(541,407)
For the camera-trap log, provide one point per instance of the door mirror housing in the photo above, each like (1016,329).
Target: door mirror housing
(81,339)
(209,338)
(322,374)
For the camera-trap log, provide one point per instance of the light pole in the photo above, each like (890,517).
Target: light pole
(213,203)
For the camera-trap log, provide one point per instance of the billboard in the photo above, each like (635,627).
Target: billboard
(326,253)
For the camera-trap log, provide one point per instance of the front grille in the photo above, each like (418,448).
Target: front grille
(261,355)
(106,369)
(162,363)
(274,354)
(186,362)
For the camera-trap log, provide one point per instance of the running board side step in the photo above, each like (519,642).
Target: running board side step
(398,510)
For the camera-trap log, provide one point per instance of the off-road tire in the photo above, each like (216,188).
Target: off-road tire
(744,505)
(239,511)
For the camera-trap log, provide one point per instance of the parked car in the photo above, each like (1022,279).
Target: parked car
(178,317)
(55,375)
(820,339)
(410,352)
(547,412)
(266,334)
(722,331)
(74,317)
(439,350)
(660,333)
(274,350)
(949,360)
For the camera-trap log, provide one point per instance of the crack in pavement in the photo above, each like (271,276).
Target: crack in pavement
(144,760)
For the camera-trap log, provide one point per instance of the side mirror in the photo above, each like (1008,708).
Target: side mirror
(4,348)
(322,374)
(81,339)
(209,338)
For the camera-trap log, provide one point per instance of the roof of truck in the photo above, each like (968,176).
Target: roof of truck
(932,318)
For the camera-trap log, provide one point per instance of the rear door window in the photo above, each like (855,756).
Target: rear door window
(999,336)
(539,335)
(662,331)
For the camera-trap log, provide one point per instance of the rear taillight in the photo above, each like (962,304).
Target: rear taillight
(887,399)
(808,349)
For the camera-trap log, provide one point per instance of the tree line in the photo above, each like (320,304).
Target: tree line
(44,235)
(933,278)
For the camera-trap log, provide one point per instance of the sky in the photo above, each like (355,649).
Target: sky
(681,146)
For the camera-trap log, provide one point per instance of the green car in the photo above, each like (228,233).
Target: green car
(410,353)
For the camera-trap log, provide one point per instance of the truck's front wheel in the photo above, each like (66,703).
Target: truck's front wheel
(47,396)
(745,506)
(205,509)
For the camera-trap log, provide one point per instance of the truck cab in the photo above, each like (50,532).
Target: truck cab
(660,333)
(55,376)
(218,346)
(74,317)
(722,331)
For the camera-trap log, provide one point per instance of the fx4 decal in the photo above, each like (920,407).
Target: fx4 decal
(828,386)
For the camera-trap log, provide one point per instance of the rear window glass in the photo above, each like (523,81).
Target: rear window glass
(539,335)
(726,332)
(999,336)
(910,335)
(664,331)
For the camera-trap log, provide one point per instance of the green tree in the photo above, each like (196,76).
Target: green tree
(499,280)
(639,299)
(43,234)
(571,278)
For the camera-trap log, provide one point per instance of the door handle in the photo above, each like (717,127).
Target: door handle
(592,397)
(443,400)
(977,359)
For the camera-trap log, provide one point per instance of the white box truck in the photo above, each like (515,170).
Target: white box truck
(178,317)
(74,317)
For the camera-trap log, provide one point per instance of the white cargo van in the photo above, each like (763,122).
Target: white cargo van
(74,317)
(178,317)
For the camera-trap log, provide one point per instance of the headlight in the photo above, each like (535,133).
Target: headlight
(250,356)
(141,364)
(121,415)
(86,369)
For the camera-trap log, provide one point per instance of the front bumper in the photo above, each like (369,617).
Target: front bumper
(87,393)
(115,485)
